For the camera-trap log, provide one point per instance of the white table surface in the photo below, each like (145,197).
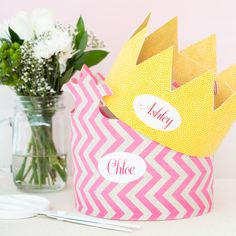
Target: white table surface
(221,221)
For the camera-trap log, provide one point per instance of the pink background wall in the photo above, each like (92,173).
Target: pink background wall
(115,20)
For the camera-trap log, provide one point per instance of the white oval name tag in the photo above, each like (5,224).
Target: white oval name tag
(122,167)
(156,113)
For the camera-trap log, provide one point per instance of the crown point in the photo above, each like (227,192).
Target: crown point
(166,36)
(226,82)
(143,25)
(203,52)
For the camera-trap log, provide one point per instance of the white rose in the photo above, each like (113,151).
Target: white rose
(42,21)
(62,42)
(58,43)
(43,49)
(21,24)
(29,25)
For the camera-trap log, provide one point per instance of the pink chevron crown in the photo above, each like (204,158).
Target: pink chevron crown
(119,173)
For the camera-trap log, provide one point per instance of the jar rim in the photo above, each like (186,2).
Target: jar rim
(40,97)
(39,103)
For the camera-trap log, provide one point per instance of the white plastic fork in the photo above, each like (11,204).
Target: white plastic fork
(25,206)
(102,223)
(88,223)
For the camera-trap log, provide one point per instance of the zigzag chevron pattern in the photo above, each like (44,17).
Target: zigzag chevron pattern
(174,186)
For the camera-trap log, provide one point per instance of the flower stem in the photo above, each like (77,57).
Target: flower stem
(46,165)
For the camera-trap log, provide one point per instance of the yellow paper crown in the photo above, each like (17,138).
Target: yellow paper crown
(148,66)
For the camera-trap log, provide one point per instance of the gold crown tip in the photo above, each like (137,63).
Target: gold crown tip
(171,24)
(213,37)
(173,21)
(209,37)
(227,76)
(149,15)
(203,52)
(210,40)
(142,26)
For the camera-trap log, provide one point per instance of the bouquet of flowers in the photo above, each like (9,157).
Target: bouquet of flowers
(37,56)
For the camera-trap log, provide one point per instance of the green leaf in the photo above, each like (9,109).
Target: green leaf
(81,38)
(66,77)
(80,25)
(76,56)
(72,60)
(14,36)
(83,42)
(90,58)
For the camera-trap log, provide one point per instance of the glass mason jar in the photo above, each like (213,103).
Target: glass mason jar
(39,147)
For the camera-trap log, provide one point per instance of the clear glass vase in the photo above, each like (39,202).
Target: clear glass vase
(39,147)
